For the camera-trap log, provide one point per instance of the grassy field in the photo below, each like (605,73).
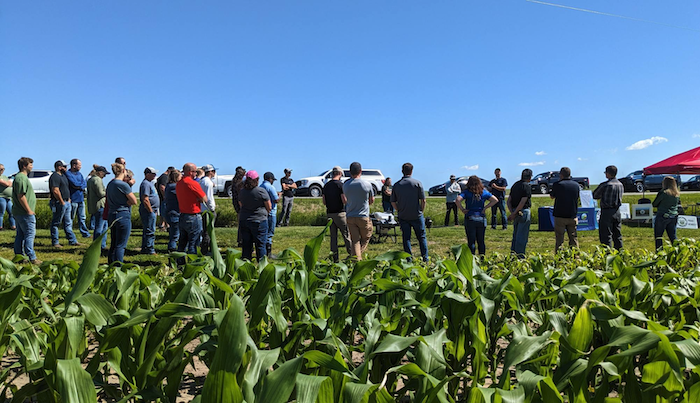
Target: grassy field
(308,215)
(440,241)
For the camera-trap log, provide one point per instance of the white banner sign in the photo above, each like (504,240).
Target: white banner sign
(625,211)
(687,222)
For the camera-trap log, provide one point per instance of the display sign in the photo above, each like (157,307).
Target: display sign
(642,211)
(587,199)
(586,219)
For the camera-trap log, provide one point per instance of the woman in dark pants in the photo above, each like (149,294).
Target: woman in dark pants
(666,203)
(474,211)
(255,207)
(120,198)
(172,209)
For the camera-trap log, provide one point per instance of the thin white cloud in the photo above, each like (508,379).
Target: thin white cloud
(582,159)
(696,135)
(540,153)
(531,164)
(471,167)
(642,144)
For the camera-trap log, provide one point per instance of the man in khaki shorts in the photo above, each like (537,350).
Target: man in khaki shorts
(334,200)
(358,193)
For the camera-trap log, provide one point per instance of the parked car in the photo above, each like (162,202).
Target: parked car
(638,182)
(439,190)
(313,185)
(542,183)
(692,183)
(39,178)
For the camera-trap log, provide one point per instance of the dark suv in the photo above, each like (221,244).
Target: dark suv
(637,182)
(692,183)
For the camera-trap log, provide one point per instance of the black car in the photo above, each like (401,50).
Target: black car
(439,190)
(638,182)
(692,183)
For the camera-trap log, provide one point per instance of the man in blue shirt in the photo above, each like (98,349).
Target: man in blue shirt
(268,180)
(408,198)
(77,196)
(150,203)
(498,188)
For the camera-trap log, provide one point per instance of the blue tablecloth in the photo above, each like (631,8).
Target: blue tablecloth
(586,219)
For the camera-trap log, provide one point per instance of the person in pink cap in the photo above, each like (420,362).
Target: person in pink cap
(255,206)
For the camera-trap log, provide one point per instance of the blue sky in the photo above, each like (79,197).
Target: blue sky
(455,87)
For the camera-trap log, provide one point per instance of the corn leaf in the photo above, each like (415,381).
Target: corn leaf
(86,273)
(314,389)
(221,384)
(73,382)
(278,385)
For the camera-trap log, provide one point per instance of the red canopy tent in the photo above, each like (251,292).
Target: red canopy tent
(687,162)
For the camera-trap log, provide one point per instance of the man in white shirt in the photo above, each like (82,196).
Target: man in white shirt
(210,205)
(452,190)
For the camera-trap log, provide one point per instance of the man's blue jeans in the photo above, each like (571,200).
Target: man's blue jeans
(387,207)
(521,233)
(172,217)
(26,231)
(78,210)
(121,229)
(253,232)
(61,216)
(190,232)
(6,205)
(148,221)
(271,224)
(475,226)
(418,226)
(500,206)
(100,227)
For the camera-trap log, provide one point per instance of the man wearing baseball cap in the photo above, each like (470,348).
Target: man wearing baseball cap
(334,200)
(452,190)
(78,184)
(96,198)
(207,185)
(60,205)
(189,197)
(150,203)
(268,180)
(288,187)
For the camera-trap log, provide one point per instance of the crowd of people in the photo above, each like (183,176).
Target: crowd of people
(181,197)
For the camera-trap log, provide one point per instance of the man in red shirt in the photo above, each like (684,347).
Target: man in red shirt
(190,196)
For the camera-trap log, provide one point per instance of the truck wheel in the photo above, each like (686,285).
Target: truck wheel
(639,187)
(374,191)
(580,186)
(228,190)
(544,189)
(315,191)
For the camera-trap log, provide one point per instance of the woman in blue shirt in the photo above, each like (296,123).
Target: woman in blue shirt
(475,212)
(120,198)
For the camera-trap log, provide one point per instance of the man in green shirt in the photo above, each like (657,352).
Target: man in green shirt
(5,198)
(23,205)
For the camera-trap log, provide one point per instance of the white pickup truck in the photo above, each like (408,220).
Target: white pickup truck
(222,185)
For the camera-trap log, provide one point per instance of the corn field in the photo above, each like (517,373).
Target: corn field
(572,327)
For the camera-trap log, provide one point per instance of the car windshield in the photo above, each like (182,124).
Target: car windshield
(322,173)
(540,176)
